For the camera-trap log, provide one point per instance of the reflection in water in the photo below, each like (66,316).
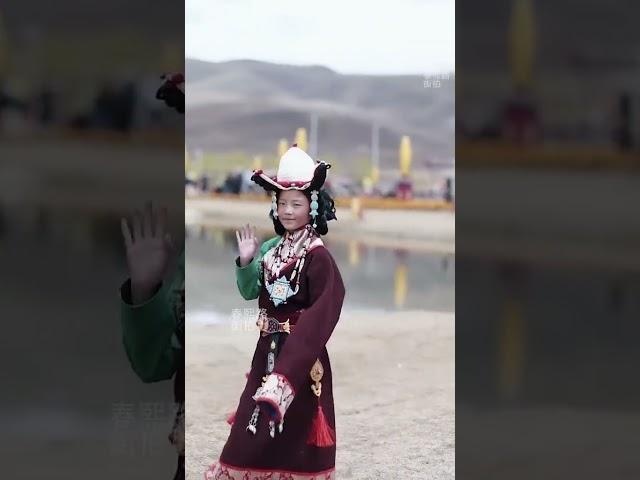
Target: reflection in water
(547,335)
(375,278)
(400,283)
(354,253)
(445,263)
(511,348)
(511,331)
(87,235)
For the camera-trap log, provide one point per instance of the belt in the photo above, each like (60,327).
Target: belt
(269,325)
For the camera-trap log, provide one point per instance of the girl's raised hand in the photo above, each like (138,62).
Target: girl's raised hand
(148,247)
(247,244)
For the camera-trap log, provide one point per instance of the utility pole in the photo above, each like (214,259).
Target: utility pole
(375,152)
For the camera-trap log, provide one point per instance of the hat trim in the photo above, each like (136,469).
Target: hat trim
(287,185)
(283,185)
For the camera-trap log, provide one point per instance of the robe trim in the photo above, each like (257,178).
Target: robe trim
(220,471)
(278,392)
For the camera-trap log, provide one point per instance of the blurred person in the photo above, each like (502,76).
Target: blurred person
(232,183)
(205,183)
(300,293)
(448,190)
(45,105)
(622,136)
(10,102)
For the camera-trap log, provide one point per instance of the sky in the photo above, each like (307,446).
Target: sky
(349,36)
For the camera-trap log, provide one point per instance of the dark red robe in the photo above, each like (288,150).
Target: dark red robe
(313,312)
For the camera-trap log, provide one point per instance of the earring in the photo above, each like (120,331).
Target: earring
(314,206)
(274,204)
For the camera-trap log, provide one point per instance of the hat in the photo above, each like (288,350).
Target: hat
(296,171)
(172,91)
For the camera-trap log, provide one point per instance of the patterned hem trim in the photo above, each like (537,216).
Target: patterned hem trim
(221,471)
(278,392)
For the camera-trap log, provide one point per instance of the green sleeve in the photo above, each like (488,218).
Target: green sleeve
(248,277)
(149,330)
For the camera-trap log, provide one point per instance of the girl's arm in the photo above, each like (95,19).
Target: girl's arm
(248,277)
(149,330)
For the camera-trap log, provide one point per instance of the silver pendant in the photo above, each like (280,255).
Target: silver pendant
(270,361)
(280,291)
(253,422)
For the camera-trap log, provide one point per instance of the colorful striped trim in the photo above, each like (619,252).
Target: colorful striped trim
(222,471)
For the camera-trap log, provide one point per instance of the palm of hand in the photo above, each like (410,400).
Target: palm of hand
(147,259)
(148,250)
(247,243)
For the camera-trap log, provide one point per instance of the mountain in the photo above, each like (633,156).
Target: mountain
(247,106)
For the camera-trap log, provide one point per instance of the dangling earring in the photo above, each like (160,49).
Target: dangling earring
(274,204)
(314,206)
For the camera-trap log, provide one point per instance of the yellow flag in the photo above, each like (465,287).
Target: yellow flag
(405,155)
(522,43)
(301,138)
(283,146)
(4,49)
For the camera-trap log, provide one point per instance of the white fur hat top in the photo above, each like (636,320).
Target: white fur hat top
(296,171)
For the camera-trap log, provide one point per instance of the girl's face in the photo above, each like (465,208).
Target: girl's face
(293,209)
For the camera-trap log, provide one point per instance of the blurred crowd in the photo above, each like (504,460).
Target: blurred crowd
(239,182)
(112,105)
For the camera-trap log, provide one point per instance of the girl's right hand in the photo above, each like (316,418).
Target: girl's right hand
(247,244)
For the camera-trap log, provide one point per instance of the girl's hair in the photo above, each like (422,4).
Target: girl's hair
(326,212)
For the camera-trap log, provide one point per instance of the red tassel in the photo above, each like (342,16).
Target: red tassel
(231,418)
(321,434)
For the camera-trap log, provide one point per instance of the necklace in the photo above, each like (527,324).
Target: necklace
(278,286)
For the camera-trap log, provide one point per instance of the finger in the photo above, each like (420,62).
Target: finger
(126,233)
(253,233)
(238,237)
(168,241)
(147,230)
(137,225)
(161,226)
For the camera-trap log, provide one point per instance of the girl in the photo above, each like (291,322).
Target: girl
(152,306)
(284,426)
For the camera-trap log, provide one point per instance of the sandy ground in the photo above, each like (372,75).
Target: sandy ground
(393,386)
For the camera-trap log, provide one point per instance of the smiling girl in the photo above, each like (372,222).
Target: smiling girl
(284,426)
